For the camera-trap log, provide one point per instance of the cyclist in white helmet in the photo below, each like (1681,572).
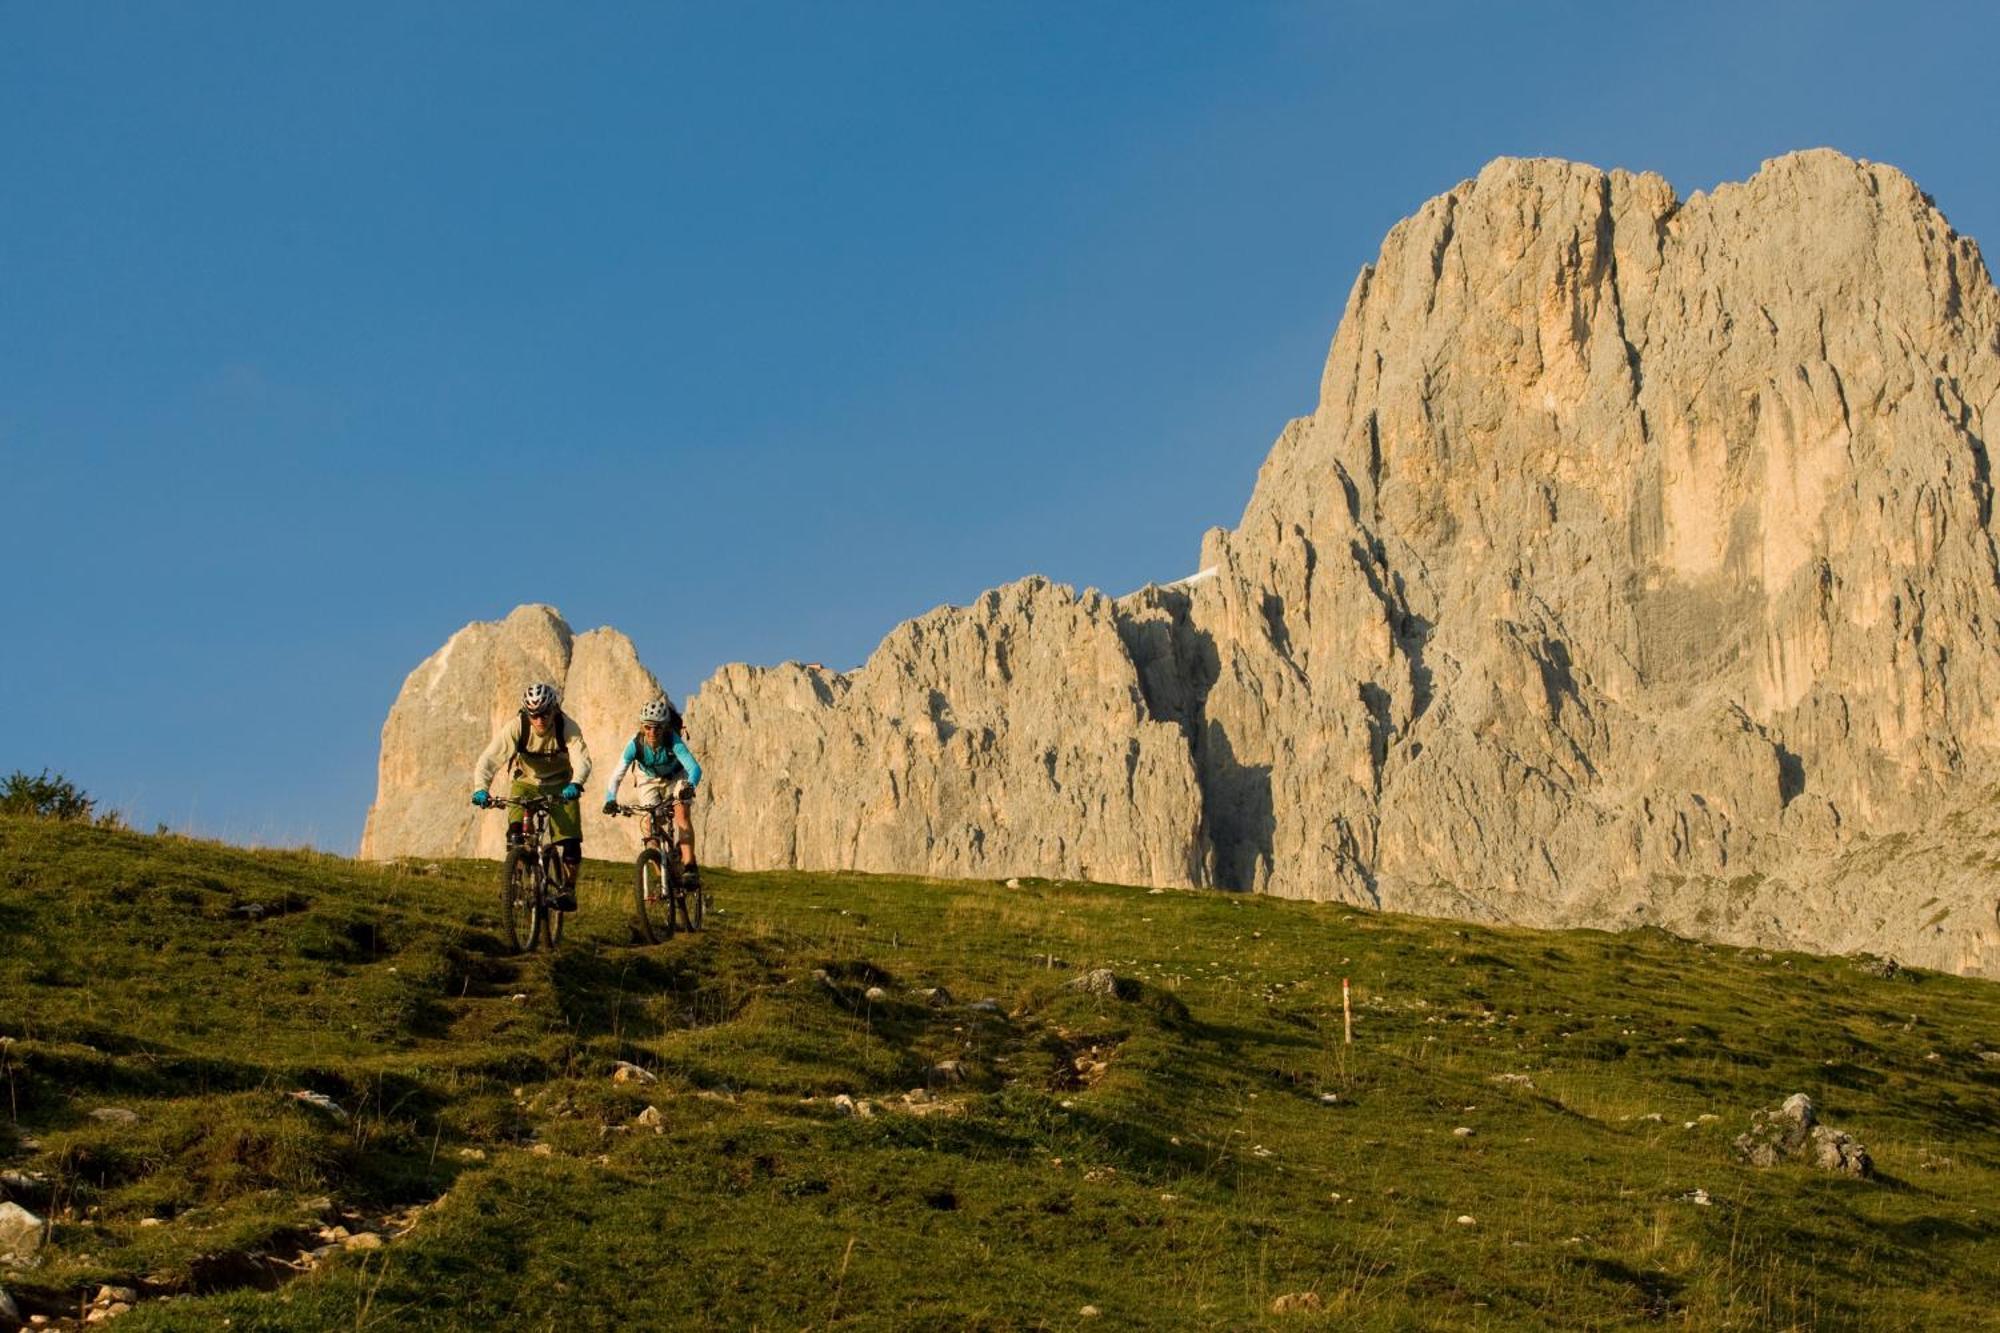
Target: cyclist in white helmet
(667,772)
(549,759)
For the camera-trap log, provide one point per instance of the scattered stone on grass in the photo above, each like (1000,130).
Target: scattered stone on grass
(1877,967)
(1697,1197)
(948,1072)
(988,1005)
(1467,1220)
(364,1240)
(543,1150)
(1462,1132)
(321,1102)
(1097,981)
(1521,1081)
(1330,1098)
(115,1115)
(24,1185)
(1090,1312)
(1013,883)
(1297,1302)
(652,1119)
(875,995)
(937,997)
(21,1234)
(627,1072)
(1990,1057)
(1792,1132)
(471,1154)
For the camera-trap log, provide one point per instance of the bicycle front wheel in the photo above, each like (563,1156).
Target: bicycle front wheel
(548,917)
(519,895)
(653,902)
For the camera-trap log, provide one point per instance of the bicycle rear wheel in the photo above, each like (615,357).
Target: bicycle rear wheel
(518,895)
(693,901)
(652,902)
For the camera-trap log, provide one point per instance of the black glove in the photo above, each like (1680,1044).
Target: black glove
(611,807)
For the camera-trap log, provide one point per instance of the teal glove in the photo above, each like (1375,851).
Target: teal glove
(571,791)
(480,798)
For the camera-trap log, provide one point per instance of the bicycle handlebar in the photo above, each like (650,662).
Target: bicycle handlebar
(527,803)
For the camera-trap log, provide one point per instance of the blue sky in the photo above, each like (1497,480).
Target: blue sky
(749,329)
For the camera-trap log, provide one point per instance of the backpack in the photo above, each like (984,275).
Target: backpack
(521,739)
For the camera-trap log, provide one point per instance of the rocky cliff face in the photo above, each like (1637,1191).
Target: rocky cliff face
(449,707)
(1636,565)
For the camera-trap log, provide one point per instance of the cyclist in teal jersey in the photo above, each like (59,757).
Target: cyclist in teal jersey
(667,772)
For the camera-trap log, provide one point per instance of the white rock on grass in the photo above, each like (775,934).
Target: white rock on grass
(115,1115)
(627,1072)
(321,1102)
(21,1234)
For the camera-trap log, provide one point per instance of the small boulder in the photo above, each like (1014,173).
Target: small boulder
(21,1234)
(651,1118)
(937,997)
(115,1115)
(1793,1133)
(1297,1302)
(364,1240)
(843,1104)
(319,1101)
(948,1072)
(875,995)
(627,1072)
(1097,981)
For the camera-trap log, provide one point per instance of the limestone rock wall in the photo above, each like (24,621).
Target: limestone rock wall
(1008,737)
(1637,564)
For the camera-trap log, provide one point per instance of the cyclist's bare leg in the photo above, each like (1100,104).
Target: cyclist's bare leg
(684,829)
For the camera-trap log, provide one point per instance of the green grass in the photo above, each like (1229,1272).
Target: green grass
(1165,1155)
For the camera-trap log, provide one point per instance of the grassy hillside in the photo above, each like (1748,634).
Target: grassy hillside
(1185,1152)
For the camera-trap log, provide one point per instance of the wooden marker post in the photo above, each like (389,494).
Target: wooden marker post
(1347,1011)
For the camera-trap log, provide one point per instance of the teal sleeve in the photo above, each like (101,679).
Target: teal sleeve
(624,763)
(686,756)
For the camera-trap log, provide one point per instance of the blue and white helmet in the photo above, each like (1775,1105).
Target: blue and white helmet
(656,711)
(541,697)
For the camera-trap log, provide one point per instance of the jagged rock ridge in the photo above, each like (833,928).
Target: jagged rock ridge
(1636,565)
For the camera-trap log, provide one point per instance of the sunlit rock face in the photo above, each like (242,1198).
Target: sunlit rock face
(1636,566)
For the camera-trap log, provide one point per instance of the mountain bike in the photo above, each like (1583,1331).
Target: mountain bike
(660,895)
(532,877)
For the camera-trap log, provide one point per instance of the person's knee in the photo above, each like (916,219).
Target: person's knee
(572,849)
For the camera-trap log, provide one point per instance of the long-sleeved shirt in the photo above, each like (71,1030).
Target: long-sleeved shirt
(665,763)
(555,755)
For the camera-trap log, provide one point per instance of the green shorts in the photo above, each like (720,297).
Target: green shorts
(565,820)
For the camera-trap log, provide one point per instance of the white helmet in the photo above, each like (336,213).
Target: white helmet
(657,710)
(540,697)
